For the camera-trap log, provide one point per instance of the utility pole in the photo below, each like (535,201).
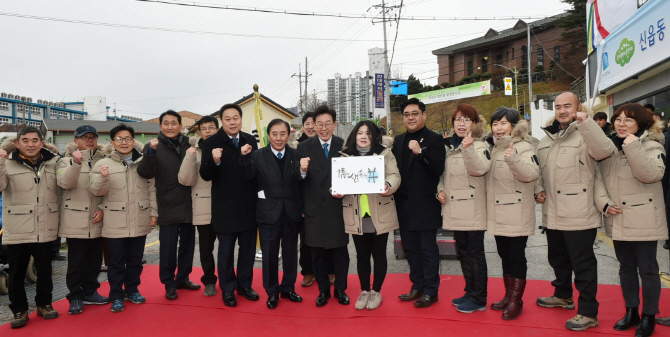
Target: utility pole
(306,75)
(387,103)
(530,71)
(302,109)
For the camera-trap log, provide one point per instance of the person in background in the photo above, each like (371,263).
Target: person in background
(510,202)
(601,119)
(201,197)
(462,191)
(81,219)
(369,218)
(27,174)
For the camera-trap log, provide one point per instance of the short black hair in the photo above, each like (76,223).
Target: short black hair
(411,101)
(512,115)
(121,127)
(324,109)
(171,113)
(29,129)
(650,107)
(375,137)
(229,106)
(600,115)
(309,114)
(278,121)
(207,119)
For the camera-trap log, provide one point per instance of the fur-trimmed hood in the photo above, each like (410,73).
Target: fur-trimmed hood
(654,133)
(49,150)
(71,147)
(585,108)
(521,131)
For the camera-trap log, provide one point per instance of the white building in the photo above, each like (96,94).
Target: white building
(349,97)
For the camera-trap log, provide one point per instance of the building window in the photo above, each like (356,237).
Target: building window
(506,56)
(540,56)
(53,114)
(485,66)
(4,106)
(469,67)
(19,108)
(35,110)
(62,114)
(35,124)
(77,116)
(4,120)
(524,59)
(557,54)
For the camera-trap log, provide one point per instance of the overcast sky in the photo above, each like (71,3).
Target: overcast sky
(145,72)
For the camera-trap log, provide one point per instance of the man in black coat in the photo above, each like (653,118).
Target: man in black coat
(324,221)
(162,160)
(278,210)
(233,204)
(420,155)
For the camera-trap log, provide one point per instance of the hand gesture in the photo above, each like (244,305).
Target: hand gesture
(216,154)
(339,196)
(98,215)
(629,139)
(614,210)
(246,149)
(541,197)
(104,171)
(191,150)
(153,143)
(414,146)
(387,190)
(581,116)
(3,153)
(77,156)
(153,221)
(304,164)
(510,151)
(442,197)
(467,140)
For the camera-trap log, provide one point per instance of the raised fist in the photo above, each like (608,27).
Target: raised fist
(216,154)
(3,153)
(77,157)
(191,150)
(414,146)
(246,149)
(581,116)
(153,143)
(104,171)
(304,164)
(629,139)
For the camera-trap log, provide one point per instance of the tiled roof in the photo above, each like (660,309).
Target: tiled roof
(100,126)
(183,113)
(247,97)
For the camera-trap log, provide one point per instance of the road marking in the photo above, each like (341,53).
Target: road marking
(152,244)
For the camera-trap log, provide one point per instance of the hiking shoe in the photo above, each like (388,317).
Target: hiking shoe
(555,302)
(135,298)
(469,307)
(581,323)
(20,319)
(96,299)
(47,311)
(362,300)
(117,305)
(460,300)
(210,290)
(76,307)
(375,300)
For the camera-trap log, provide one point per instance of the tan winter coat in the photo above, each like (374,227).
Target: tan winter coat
(201,190)
(382,208)
(510,185)
(78,204)
(568,166)
(128,199)
(30,199)
(631,180)
(464,183)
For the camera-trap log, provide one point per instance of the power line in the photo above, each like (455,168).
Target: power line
(543,51)
(396,34)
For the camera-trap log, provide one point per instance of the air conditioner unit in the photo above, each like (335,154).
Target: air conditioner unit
(10,96)
(29,99)
(3,95)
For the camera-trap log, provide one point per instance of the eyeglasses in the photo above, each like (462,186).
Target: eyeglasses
(322,126)
(123,140)
(92,137)
(627,121)
(460,120)
(413,114)
(208,128)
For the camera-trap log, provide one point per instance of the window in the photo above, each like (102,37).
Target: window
(4,120)
(77,116)
(524,59)
(485,66)
(469,67)
(557,54)
(4,106)
(35,110)
(35,124)
(540,55)
(19,108)
(53,114)
(513,56)
(62,114)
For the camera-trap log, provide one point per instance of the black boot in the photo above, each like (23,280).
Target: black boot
(630,319)
(646,326)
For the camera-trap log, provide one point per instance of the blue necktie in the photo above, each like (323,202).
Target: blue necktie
(236,141)
(325,149)
(279,155)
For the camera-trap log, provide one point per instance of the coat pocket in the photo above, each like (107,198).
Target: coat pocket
(202,202)
(508,209)
(462,204)
(76,214)
(350,213)
(19,219)
(572,201)
(386,211)
(567,161)
(144,213)
(638,211)
(115,214)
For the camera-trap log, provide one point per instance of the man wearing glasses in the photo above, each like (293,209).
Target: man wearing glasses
(162,160)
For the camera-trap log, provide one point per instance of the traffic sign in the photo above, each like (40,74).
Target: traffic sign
(508,86)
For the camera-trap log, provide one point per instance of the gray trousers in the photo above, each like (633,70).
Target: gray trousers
(639,257)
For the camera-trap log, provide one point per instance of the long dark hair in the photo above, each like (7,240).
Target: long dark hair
(375,138)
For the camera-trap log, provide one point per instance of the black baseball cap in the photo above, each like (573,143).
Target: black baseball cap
(84,129)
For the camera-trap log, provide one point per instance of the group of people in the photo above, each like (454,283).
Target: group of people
(221,183)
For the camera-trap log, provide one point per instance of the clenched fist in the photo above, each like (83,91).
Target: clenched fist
(581,116)
(510,151)
(216,154)
(246,149)
(629,139)
(414,146)
(77,157)
(541,197)
(467,140)
(442,197)
(3,153)
(153,143)
(304,164)
(104,171)
(153,221)
(191,150)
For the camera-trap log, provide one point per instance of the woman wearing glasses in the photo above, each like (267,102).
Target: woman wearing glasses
(628,192)
(462,191)
(129,205)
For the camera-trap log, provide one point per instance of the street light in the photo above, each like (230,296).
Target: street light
(516,83)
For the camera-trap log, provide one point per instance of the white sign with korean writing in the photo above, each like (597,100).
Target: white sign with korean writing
(358,175)
(508,86)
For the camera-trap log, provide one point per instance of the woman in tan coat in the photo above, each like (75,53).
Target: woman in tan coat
(510,187)
(462,191)
(370,217)
(630,195)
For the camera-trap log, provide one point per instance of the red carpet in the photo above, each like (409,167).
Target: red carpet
(194,314)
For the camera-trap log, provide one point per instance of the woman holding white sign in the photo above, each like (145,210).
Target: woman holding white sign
(370,217)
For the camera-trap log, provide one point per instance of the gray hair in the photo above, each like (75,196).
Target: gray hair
(27,130)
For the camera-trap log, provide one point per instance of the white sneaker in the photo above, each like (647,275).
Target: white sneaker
(362,301)
(259,255)
(375,300)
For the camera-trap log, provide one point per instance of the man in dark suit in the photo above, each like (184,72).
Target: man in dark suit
(278,210)
(420,155)
(324,222)
(233,204)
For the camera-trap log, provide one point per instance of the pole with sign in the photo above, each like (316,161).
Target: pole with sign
(508,86)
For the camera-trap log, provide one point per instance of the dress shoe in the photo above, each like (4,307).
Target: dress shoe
(273,301)
(425,301)
(331,277)
(76,307)
(188,285)
(292,296)
(629,320)
(646,326)
(411,296)
(308,280)
(665,321)
(229,299)
(342,297)
(322,299)
(58,257)
(248,293)
(171,294)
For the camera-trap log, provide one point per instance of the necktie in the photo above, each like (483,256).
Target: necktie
(236,141)
(279,155)
(325,149)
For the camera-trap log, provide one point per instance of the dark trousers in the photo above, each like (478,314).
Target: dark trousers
(55,249)
(170,259)
(512,252)
(306,256)
(634,256)
(83,267)
(125,265)
(228,281)
(206,238)
(371,245)
(284,233)
(470,248)
(341,264)
(423,257)
(18,257)
(572,251)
